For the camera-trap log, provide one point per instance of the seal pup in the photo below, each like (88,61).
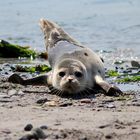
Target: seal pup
(75,68)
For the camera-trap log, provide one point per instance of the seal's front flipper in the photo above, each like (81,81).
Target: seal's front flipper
(40,80)
(53,33)
(107,88)
(15,78)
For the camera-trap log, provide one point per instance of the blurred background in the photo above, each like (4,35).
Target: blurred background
(103,25)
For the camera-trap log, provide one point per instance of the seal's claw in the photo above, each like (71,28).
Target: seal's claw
(15,78)
(114,91)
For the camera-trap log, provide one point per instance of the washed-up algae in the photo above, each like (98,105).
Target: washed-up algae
(128,78)
(32,69)
(112,73)
(8,50)
(124,77)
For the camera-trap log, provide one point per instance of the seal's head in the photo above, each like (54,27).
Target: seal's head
(69,76)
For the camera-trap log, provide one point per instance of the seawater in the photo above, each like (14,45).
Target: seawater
(102,25)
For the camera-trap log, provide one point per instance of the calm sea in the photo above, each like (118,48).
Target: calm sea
(103,25)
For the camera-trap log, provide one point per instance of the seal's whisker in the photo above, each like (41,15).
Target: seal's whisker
(58,92)
(53,91)
(61,93)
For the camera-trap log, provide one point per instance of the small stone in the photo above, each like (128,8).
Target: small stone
(135,64)
(100,105)
(24,138)
(134,127)
(87,101)
(83,138)
(28,127)
(110,106)
(104,126)
(6,131)
(41,101)
(20,92)
(27,137)
(98,109)
(116,68)
(12,92)
(136,104)
(127,71)
(44,127)
(37,132)
(51,104)
(6,73)
(65,104)
(63,135)
(108,137)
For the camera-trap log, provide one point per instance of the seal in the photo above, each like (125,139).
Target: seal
(75,67)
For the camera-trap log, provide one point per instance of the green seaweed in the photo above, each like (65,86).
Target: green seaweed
(127,79)
(8,50)
(112,73)
(43,68)
(32,69)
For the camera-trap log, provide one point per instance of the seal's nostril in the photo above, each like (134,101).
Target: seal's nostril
(70,80)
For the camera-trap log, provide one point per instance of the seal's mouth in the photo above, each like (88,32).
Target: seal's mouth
(71,88)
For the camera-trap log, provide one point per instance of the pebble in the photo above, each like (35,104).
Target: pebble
(28,127)
(37,132)
(104,126)
(83,138)
(127,71)
(100,105)
(20,92)
(65,104)
(6,73)
(6,131)
(110,106)
(12,92)
(134,127)
(136,104)
(108,137)
(50,103)
(135,64)
(44,127)
(63,135)
(41,101)
(28,137)
(116,68)
(87,101)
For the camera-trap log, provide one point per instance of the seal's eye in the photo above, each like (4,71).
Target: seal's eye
(62,74)
(78,74)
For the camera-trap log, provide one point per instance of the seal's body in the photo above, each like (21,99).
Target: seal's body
(63,50)
(75,68)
